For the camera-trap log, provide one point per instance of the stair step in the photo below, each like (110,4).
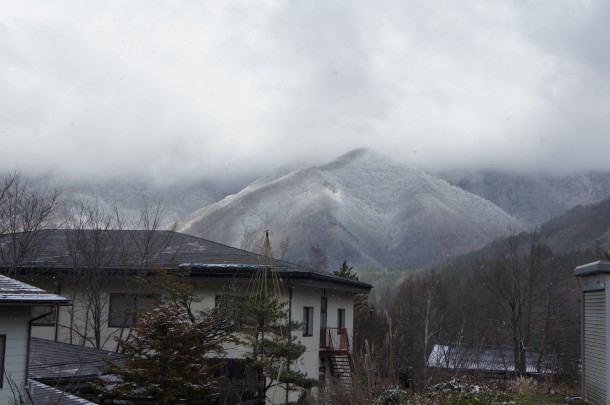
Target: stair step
(341,367)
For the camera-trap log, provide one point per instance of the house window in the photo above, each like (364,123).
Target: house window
(323,312)
(48,319)
(341,318)
(124,308)
(307,321)
(2,355)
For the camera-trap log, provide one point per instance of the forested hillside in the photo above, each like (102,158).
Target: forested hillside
(518,292)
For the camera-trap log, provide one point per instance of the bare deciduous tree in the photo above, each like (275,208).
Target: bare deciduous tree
(25,210)
(103,251)
(252,241)
(93,246)
(515,279)
(317,257)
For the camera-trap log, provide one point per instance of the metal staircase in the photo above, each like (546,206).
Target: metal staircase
(334,344)
(341,367)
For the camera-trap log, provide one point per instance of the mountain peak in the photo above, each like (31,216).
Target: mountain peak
(356,153)
(361,206)
(359,156)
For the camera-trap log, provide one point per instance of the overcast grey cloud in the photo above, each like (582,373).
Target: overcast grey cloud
(174,90)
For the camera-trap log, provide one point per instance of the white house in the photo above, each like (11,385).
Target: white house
(21,305)
(97,271)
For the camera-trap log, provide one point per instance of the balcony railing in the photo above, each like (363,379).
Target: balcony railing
(334,339)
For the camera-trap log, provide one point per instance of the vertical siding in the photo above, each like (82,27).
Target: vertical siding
(594,347)
(14,324)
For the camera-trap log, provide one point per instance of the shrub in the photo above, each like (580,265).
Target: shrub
(462,393)
(524,386)
(391,396)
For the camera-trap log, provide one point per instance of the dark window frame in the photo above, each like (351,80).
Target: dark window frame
(323,312)
(340,318)
(307,321)
(140,302)
(49,320)
(2,359)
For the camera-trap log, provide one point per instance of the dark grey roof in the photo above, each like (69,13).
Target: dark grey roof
(13,292)
(53,362)
(62,249)
(43,394)
(498,359)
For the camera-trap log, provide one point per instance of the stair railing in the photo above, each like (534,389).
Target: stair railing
(334,339)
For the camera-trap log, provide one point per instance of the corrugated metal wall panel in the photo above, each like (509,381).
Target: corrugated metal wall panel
(594,347)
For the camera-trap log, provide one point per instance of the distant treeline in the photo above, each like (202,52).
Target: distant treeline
(517,294)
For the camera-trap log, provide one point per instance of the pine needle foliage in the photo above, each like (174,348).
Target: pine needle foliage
(346,271)
(168,359)
(272,343)
(169,350)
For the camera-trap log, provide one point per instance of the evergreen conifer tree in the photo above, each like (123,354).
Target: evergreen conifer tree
(169,351)
(168,359)
(346,271)
(273,345)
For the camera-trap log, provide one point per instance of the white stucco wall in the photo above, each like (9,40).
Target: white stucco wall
(14,324)
(302,295)
(306,296)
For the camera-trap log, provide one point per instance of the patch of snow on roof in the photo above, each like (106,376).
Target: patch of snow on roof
(42,392)
(197,246)
(221,265)
(492,359)
(13,290)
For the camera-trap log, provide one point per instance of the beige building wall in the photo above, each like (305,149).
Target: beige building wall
(14,323)
(301,296)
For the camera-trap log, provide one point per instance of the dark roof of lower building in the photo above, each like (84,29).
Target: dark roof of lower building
(53,362)
(497,359)
(44,394)
(13,292)
(138,250)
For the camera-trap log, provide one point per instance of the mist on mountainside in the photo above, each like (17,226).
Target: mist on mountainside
(362,207)
(533,198)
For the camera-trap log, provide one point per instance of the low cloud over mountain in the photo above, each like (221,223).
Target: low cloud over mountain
(362,207)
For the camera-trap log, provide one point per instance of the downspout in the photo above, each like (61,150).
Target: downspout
(57,325)
(289,321)
(58,292)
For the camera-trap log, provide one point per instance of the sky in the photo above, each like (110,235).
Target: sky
(174,91)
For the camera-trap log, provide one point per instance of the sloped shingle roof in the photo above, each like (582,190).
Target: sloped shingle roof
(13,292)
(484,358)
(52,361)
(136,249)
(44,394)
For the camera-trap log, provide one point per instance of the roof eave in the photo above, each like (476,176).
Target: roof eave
(598,267)
(34,303)
(311,278)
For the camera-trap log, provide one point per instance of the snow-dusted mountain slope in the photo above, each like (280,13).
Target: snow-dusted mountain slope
(361,207)
(177,200)
(532,198)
